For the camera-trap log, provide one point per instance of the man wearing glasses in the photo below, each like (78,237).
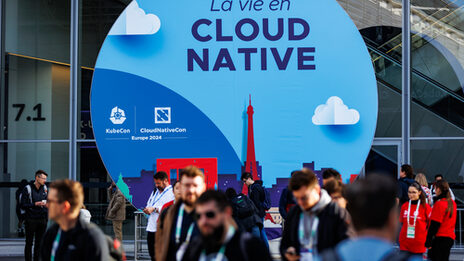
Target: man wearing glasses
(71,238)
(33,200)
(316,223)
(219,237)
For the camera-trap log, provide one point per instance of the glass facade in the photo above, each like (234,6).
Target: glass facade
(38,93)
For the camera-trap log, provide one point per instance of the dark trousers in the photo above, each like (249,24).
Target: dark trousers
(441,247)
(35,228)
(151,244)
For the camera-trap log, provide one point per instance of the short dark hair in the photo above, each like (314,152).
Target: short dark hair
(160,175)
(246,175)
(438,176)
(329,173)
(334,186)
(406,168)
(69,190)
(213,195)
(191,172)
(302,178)
(231,193)
(371,200)
(39,172)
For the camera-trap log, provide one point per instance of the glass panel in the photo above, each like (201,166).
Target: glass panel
(97,18)
(34,94)
(437,61)
(93,175)
(382,160)
(380,25)
(444,157)
(20,161)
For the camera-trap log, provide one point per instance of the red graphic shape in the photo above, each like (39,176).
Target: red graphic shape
(208,165)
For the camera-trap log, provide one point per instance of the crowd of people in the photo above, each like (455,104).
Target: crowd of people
(335,221)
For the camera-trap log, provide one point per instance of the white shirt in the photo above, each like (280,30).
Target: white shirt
(85,214)
(157,200)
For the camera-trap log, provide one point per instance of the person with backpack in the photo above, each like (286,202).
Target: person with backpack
(257,194)
(20,213)
(373,207)
(414,215)
(244,212)
(33,201)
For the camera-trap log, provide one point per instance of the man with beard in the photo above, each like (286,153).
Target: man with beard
(177,227)
(160,196)
(219,237)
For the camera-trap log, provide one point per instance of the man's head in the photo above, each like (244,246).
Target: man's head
(305,188)
(161,180)
(192,181)
(247,178)
(212,211)
(65,199)
(330,174)
(438,177)
(41,177)
(372,205)
(406,171)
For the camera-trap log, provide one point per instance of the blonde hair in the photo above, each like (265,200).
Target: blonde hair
(422,180)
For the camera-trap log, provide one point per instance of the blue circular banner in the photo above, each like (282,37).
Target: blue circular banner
(181,83)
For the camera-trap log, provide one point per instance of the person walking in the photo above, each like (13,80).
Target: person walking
(71,238)
(257,195)
(161,195)
(414,217)
(441,235)
(116,211)
(405,180)
(219,237)
(33,201)
(372,204)
(178,227)
(316,224)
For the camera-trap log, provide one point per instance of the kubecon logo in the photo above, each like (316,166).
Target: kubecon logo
(117,116)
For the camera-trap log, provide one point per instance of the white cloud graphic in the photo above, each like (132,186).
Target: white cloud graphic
(334,112)
(134,21)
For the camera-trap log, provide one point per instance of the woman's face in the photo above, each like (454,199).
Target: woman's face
(413,193)
(438,191)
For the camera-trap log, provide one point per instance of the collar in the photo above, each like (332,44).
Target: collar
(321,204)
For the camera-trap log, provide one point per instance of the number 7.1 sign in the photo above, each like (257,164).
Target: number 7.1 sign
(37,111)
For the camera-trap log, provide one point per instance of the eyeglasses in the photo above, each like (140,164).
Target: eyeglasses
(44,178)
(207,214)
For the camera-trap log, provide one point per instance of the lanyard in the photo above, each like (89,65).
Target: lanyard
(56,243)
(416,213)
(221,253)
(154,199)
(308,243)
(180,218)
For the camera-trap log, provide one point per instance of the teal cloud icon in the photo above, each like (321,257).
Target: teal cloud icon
(134,21)
(335,112)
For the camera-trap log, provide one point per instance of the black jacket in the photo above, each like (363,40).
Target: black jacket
(33,211)
(241,247)
(84,242)
(334,226)
(286,198)
(256,194)
(403,186)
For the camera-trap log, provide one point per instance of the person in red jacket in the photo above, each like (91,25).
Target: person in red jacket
(414,216)
(441,236)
